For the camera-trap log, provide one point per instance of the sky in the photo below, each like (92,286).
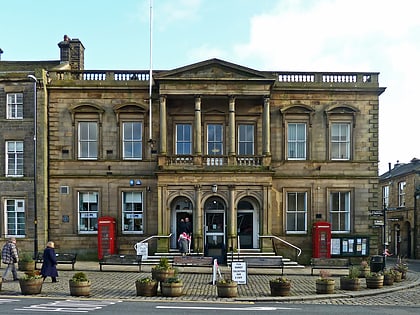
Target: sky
(280,35)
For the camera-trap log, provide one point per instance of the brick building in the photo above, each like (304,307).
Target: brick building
(244,154)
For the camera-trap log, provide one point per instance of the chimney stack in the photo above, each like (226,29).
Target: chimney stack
(73,52)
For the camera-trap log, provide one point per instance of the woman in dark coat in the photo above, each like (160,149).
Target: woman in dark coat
(49,263)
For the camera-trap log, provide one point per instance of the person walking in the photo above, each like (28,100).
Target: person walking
(183,241)
(9,256)
(49,264)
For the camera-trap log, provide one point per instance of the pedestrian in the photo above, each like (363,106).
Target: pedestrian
(188,227)
(183,242)
(9,256)
(49,263)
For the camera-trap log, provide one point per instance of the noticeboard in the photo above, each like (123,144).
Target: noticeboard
(357,246)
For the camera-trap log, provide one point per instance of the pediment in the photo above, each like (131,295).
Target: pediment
(212,69)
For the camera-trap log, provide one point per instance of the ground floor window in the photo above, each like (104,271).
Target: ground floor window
(88,212)
(340,211)
(15,217)
(132,211)
(296,212)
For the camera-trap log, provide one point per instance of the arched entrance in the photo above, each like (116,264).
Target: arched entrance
(182,218)
(248,223)
(215,228)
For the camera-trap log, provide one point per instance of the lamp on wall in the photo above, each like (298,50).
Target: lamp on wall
(214,188)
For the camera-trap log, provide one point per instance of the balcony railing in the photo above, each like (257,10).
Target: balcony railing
(214,160)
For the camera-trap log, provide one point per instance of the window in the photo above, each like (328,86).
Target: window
(88,140)
(88,212)
(296,212)
(401,194)
(246,139)
(340,141)
(15,217)
(296,141)
(132,140)
(340,211)
(183,139)
(132,211)
(385,196)
(15,106)
(215,143)
(14,159)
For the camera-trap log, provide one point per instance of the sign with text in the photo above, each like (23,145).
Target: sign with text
(239,272)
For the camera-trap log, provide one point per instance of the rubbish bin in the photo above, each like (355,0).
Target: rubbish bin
(376,263)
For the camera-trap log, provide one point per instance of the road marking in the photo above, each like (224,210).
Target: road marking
(68,306)
(252,308)
(2,301)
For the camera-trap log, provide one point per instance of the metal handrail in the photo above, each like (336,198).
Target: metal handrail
(153,236)
(283,241)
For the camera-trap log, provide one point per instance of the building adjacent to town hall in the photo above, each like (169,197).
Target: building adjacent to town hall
(250,158)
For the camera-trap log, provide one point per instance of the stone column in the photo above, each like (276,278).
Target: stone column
(162,124)
(198,222)
(266,126)
(266,243)
(197,126)
(232,142)
(162,243)
(232,219)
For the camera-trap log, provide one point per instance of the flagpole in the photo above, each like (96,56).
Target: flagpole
(150,69)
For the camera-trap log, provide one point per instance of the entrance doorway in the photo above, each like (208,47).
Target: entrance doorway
(182,219)
(215,229)
(247,224)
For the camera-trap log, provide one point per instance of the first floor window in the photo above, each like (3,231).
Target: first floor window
(246,139)
(15,217)
(132,211)
(296,141)
(296,212)
(340,211)
(88,140)
(132,141)
(88,212)
(401,194)
(15,106)
(14,160)
(183,139)
(385,196)
(340,141)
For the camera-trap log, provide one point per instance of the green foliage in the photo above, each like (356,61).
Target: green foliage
(25,257)
(225,281)
(31,275)
(373,275)
(146,280)
(354,272)
(79,277)
(173,280)
(163,264)
(280,280)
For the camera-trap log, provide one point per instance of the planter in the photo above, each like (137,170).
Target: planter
(146,288)
(278,288)
(227,290)
(349,284)
(375,282)
(397,276)
(364,271)
(172,289)
(79,288)
(162,275)
(388,279)
(26,265)
(325,286)
(31,286)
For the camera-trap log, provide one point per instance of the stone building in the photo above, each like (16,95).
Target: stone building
(247,156)
(400,194)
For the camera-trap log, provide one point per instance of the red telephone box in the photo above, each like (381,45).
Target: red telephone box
(106,236)
(321,240)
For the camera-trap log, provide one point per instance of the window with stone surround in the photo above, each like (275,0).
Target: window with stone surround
(132,140)
(14,158)
(296,212)
(246,139)
(339,208)
(401,193)
(385,196)
(340,141)
(88,212)
(14,223)
(296,141)
(183,138)
(15,106)
(88,140)
(132,212)
(215,138)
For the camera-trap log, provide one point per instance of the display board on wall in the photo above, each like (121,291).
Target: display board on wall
(350,246)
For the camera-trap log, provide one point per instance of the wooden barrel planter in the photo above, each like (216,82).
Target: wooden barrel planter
(31,286)
(227,290)
(279,288)
(325,286)
(375,282)
(388,279)
(146,288)
(173,289)
(397,276)
(79,288)
(162,275)
(349,284)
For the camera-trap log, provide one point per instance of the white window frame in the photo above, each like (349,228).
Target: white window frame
(14,105)
(340,213)
(14,158)
(295,142)
(293,211)
(132,216)
(341,141)
(14,217)
(385,196)
(402,187)
(183,139)
(132,140)
(246,139)
(88,147)
(88,212)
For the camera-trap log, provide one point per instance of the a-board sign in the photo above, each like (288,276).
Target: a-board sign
(239,272)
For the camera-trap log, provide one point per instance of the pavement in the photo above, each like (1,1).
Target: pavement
(118,283)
